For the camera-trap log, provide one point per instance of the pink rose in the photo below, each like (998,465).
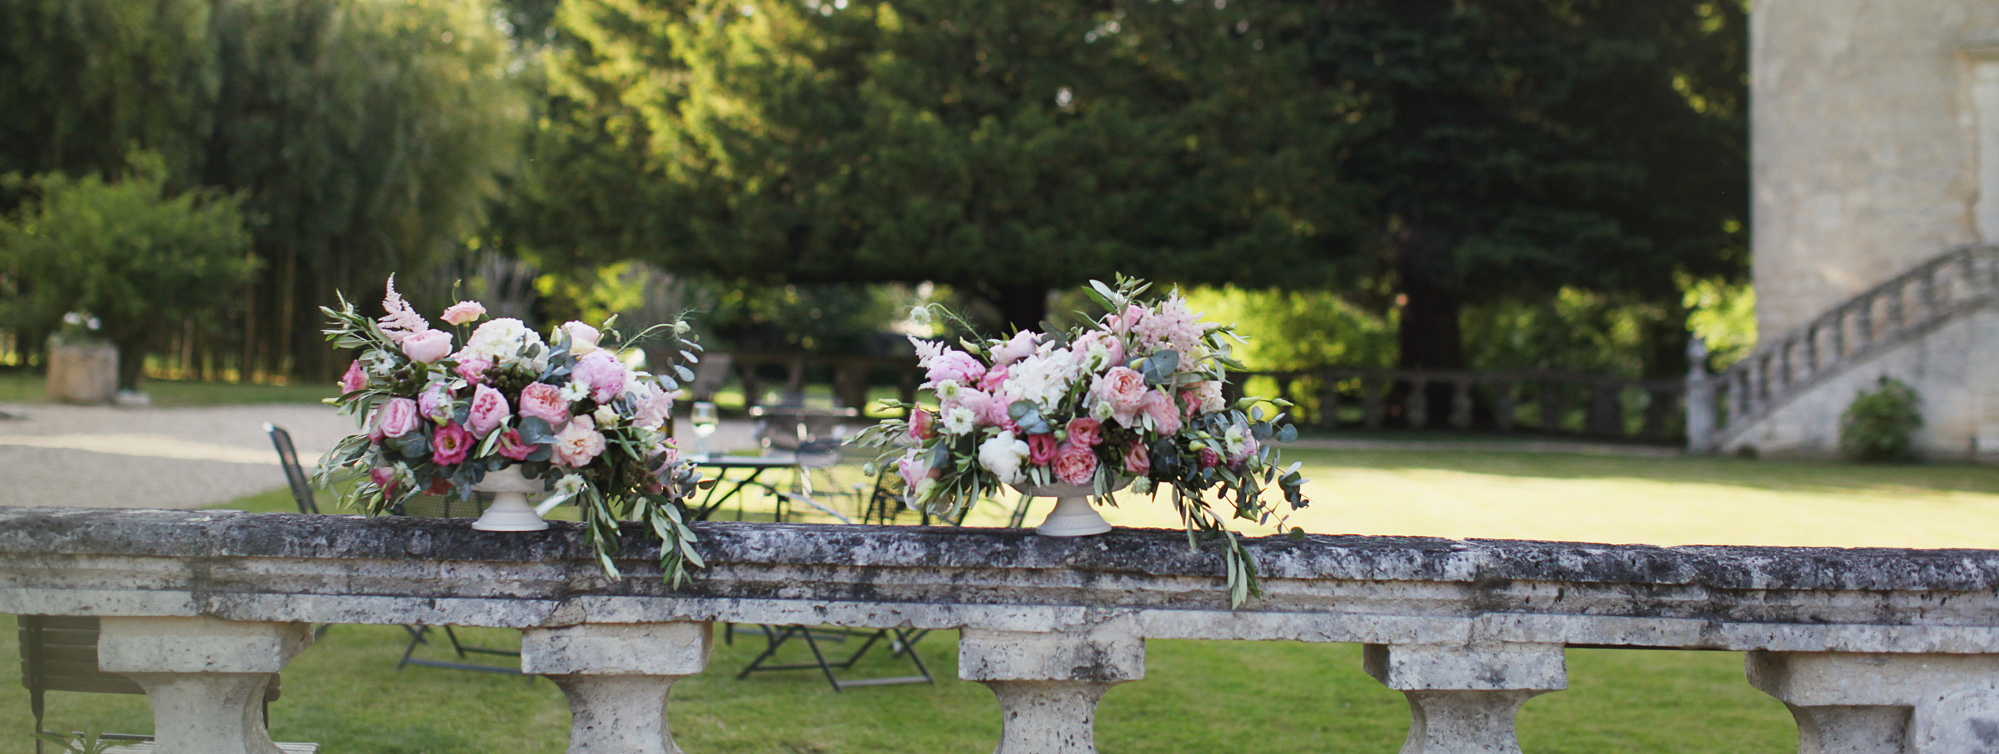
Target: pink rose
(1020,347)
(427,346)
(1209,458)
(354,379)
(1085,431)
(449,444)
(1113,347)
(922,425)
(1137,459)
(395,418)
(602,372)
(489,411)
(511,445)
(578,443)
(545,402)
(1040,449)
(1189,403)
(1124,389)
(435,402)
(463,312)
(1074,464)
(956,366)
(473,369)
(1165,416)
(994,378)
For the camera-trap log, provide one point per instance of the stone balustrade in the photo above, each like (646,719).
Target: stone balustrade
(1873,650)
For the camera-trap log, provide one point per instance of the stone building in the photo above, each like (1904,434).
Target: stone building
(1875,153)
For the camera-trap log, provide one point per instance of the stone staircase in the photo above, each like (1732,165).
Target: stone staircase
(1892,315)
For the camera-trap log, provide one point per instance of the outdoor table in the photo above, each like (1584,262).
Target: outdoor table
(722,465)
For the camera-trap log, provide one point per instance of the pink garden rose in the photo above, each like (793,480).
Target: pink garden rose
(1124,389)
(578,443)
(489,410)
(1165,416)
(427,346)
(602,372)
(1113,347)
(395,418)
(1137,459)
(513,447)
(545,402)
(354,379)
(957,366)
(473,368)
(1040,449)
(435,402)
(464,311)
(385,478)
(449,444)
(1085,431)
(922,425)
(1074,464)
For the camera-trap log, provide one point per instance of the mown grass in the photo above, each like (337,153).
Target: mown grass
(27,387)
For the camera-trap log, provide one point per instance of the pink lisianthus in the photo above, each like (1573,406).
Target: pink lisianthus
(427,346)
(669,455)
(602,372)
(1085,431)
(914,467)
(435,402)
(513,447)
(1165,416)
(489,410)
(1124,389)
(1210,459)
(449,444)
(464,311)
(354,379)
(545,402)
(1020,347)
(1074,464)
(582,338)
(385,478)
(395,418)
(578,443)
(1190,402)
(956,366)
(473,368)
(1040,449)
(922,425)
(1137,459)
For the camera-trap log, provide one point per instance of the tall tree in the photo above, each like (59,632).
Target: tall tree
(1003,147)
(1513,147)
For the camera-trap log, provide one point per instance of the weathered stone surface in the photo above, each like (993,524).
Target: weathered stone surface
(1049,684)
(205,677)
(1463,699)
(82,374)
(617,677)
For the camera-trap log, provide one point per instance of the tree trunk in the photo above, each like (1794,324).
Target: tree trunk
(1431,335)
(1022,306)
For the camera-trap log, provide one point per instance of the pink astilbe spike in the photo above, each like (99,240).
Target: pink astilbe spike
(402,321)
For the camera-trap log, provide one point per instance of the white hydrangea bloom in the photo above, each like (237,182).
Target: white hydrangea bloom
(500,340)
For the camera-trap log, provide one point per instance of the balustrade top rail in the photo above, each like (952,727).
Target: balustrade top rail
(1378,590)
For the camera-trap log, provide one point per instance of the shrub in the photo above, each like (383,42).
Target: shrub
(1879,423)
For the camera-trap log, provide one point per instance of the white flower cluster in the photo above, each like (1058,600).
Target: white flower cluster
(1003,455)
(500,340)
(1044,378)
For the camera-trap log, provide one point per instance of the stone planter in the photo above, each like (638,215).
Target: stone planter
(82,373)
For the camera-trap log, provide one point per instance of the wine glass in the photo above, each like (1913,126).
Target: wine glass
(704,427)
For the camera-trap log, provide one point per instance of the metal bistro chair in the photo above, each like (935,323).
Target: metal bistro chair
(428,506)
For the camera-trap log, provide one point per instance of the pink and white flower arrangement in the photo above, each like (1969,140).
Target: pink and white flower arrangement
(1136,397)
(567,410)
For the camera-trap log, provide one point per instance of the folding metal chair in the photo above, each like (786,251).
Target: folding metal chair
(901,641)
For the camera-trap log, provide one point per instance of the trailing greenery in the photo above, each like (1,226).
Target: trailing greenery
(1881,423)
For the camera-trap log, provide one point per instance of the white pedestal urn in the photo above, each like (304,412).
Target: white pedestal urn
(510,510)
(1073,515)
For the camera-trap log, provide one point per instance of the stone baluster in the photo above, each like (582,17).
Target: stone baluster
(1461,403)
(1811,350)
(1049,684)
(1463,699)
(1784,374)
(1372,409)
(1863,324)
(204,676)
(1896,306)
(1416,405)
(1838,335)
(616,677)
(1926,293)
(1502,405)
(1884,703)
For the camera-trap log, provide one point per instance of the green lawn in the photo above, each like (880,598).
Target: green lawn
(1235,696)
(26,387)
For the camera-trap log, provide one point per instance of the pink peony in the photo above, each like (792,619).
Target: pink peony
(1085,431)
(996,413)
(395,418)
(1020,347)
(994,378)
(1137,459)
(602,372)
(489,411)
(1040,449)
(354,379)
(511,445)
(449,444)
(1165,416)
(1124,389)
(545,402)
(427,346)
(971,400)
(473,368)
(435,402)
(956,366)
(922,425)
(655,407)
(578,443)
(463,312)
(1074,464)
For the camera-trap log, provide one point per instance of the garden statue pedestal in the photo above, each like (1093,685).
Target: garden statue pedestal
(83,373)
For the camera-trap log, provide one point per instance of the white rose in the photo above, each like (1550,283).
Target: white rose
(1003,455)
(605,416)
